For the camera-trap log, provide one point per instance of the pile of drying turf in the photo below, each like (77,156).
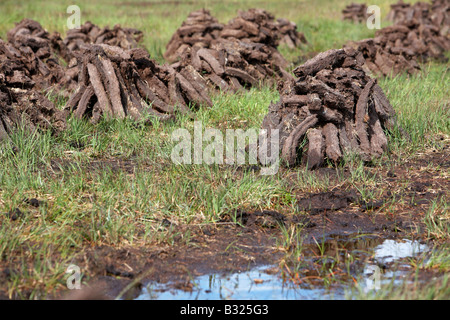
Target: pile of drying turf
(200,28)
(336,106)
(436,13)
(356,12)
(120,83)
(231,65)
(424,40)
(255,26)
(382,60)
(289,34)
(399,48)
(259,26)
(39,53)
(240,54)
(89,33)
(20,103)
(420,34)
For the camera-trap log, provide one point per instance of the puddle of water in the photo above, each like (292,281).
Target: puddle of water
(250,285)
(391,250)
(260,284)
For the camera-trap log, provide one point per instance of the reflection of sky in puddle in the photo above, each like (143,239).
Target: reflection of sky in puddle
(240,286)
(257,284)
(389,252)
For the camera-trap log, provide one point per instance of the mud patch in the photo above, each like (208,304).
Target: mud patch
(327,201)
(265,219)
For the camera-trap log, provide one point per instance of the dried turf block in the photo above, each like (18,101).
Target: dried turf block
(437,13)
(27,109)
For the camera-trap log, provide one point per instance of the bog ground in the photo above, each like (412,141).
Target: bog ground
(106,196)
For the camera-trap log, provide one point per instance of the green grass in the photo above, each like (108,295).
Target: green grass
(113,183)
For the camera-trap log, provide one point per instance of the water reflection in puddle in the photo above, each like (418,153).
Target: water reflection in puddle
(263,284)
(389,252)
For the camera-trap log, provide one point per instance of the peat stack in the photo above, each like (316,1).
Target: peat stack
(382,60)
(336,106)
(29,34)
(440,16)
(13,67)
(39,53)
(231,65)
(121,83)
(20,103)
(424,40)
(27,108)
(406,11)
(399,48)
(259,26)
(200,28)
(255,26)
(356,12)
(436,13)
(289,34)
(89,33)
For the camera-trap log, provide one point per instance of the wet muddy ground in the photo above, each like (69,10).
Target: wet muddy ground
(244,239)
(378,263)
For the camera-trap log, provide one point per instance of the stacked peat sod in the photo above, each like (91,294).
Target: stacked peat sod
(254,25)
(336,106)
(127,83)
(259,26)
(231,65)
(240,54)
(436,13)
(39,53)
(289,34)
(356,12)
(21,103)
(420,27)
(200,28)
(384,58)
(420,34)
(399,48)
(89,33)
